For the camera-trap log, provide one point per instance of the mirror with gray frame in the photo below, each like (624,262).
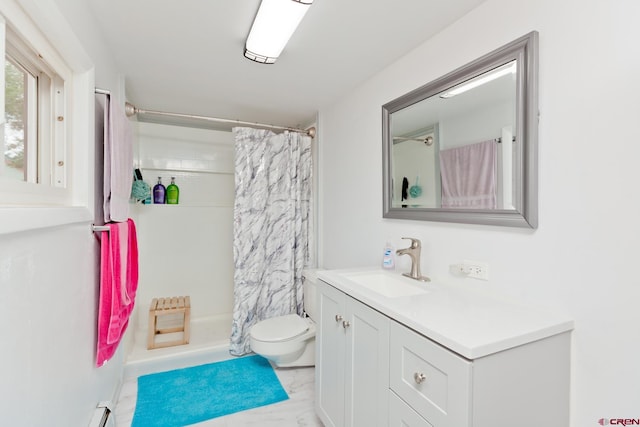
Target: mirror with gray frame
(463,148)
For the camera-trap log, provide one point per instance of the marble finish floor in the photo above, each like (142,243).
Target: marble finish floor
(297,411)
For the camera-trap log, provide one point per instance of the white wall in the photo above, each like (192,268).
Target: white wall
(187,249)
(476,126)
(48,286)
(48,278)
(84,25)
(582,257)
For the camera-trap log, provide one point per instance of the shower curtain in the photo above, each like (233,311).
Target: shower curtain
(271,226)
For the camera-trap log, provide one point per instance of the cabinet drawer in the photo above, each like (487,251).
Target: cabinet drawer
(432,380)
(401,414)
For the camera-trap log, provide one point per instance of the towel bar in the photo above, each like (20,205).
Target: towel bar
(95,228)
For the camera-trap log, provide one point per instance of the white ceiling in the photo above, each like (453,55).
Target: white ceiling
(187,56)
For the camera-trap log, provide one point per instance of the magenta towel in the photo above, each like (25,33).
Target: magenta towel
(469,176)
(118,285)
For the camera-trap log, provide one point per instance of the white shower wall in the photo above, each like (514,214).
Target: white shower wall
(186,249)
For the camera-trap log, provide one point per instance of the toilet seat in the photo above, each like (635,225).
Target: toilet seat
(278,329)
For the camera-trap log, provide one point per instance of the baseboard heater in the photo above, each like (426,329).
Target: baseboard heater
(103,417)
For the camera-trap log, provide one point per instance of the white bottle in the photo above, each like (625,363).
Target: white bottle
(389,257)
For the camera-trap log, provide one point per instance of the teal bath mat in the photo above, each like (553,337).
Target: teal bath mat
(191,395)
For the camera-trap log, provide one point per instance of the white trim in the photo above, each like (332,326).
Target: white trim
(81,138)
(15,219)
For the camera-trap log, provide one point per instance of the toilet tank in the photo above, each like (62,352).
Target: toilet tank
(310,278)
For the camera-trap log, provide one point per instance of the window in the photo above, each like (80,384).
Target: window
(34,131)
(20,138)
(46,143)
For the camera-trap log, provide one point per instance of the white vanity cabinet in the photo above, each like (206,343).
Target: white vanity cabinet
(450,356)
(525,386)
(352,361)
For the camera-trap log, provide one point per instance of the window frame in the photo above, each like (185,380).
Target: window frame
(69,199)
(35,89)
(50,127)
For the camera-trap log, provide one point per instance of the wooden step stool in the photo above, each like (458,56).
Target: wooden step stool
(167,306)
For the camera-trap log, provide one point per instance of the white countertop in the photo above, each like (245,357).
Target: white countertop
(465,318)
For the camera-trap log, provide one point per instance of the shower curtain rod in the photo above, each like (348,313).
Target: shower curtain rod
(499,140)
(428,140)
(131,110)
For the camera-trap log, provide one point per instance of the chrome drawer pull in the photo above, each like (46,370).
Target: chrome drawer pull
(419,377)
(345,324)
(338,318)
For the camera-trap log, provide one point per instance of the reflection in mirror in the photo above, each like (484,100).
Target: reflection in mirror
(415,168)
(481,109)
(463,148)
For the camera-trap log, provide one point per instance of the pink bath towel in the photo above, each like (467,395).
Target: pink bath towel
(469,176)
(118,285)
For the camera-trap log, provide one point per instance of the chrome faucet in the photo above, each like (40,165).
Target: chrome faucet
(414,253)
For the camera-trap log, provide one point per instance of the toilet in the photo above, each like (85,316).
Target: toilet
(289,340)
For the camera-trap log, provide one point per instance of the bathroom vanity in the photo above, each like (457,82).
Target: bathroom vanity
(395,352)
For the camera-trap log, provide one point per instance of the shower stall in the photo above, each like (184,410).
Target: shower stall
(184,249)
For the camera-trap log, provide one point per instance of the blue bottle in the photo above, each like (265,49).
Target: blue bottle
(159,193)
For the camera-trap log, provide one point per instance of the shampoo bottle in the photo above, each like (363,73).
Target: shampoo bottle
(173,192)
(159,192)
(389,257)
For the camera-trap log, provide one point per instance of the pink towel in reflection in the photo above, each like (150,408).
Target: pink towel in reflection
(469,176)
(118,285)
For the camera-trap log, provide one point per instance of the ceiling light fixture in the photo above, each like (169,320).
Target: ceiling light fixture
(272,27)
(503,70)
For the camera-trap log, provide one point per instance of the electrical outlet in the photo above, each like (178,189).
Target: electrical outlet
(476,269)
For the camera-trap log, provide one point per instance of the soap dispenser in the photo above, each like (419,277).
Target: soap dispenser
(173,192)
(388,257)
(159,193)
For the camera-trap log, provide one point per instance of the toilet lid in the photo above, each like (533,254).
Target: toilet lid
(279,328)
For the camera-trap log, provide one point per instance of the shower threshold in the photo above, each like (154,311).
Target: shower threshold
(209,343)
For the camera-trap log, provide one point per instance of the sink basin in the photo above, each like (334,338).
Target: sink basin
(387,284)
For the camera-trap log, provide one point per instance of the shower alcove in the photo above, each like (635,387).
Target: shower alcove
(184,249)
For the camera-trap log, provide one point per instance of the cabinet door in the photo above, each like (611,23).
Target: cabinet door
(402,415)
(330,355)
(367,366)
